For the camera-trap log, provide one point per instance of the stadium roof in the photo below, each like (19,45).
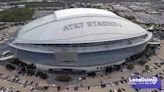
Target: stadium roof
(74,12)
(78,25)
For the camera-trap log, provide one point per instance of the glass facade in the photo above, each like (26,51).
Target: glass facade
(123,41)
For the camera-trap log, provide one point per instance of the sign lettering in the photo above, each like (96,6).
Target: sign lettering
(91,24)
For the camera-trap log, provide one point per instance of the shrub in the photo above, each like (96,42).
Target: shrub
(10,67)
(108,69)
(64,78)
(30,72)
(142,62)
(22,64)
(58,88)
(146,67)
(41,75)
(130,66)
(93,74)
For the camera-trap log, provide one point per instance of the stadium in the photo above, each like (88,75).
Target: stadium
(79,38)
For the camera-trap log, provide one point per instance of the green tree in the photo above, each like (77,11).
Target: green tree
(16,15)
(10,67)
(130,66)
(147,67)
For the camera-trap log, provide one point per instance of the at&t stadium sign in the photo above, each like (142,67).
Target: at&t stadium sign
(91,24)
